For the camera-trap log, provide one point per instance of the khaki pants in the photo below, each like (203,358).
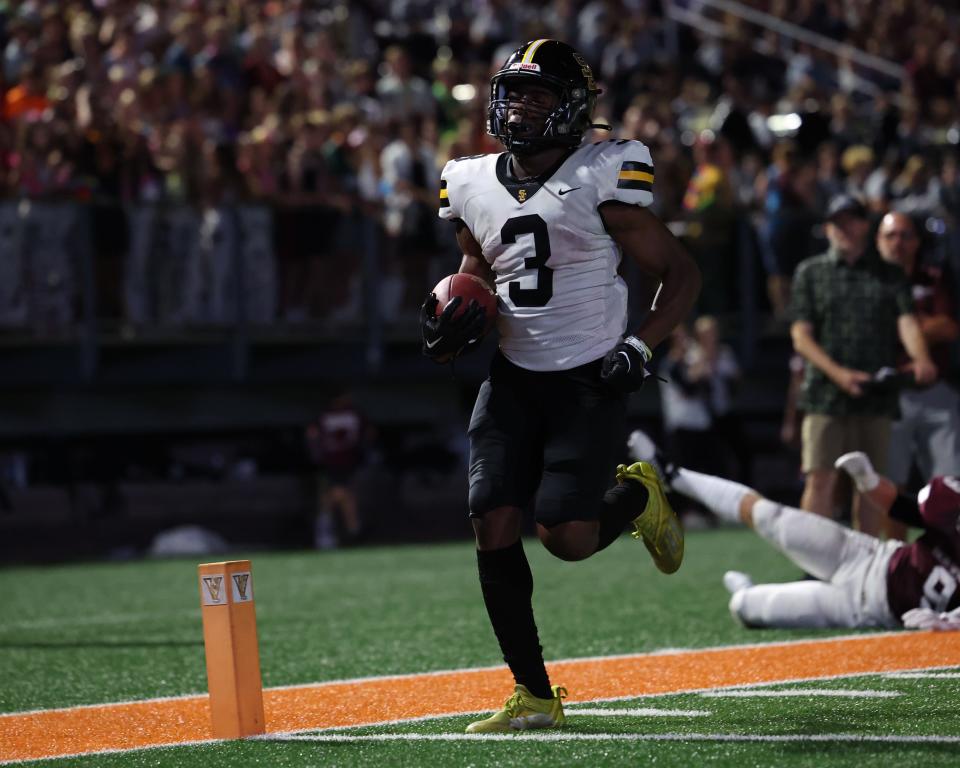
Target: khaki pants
(826,438)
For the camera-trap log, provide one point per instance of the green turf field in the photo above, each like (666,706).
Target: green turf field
(93,633)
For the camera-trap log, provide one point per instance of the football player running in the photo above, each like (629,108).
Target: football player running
(861,581)
(546,224)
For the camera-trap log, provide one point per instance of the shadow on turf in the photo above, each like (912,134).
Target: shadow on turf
(57,645)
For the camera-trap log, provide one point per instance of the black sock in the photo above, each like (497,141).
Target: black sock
(621,504)
(507,586)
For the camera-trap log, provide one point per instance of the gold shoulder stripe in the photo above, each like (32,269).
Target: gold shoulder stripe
(636,176)
(443,194)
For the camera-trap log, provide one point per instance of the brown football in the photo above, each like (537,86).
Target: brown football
(469,287)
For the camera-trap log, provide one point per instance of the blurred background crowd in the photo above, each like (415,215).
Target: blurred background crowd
(185,164)
(326,111)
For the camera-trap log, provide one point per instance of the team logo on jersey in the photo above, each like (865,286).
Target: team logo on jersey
(635,175)
(521,194)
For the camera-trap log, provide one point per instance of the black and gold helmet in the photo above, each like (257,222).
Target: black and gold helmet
(554,65)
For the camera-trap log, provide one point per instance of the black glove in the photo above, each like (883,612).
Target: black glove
(446,336)
(624,367)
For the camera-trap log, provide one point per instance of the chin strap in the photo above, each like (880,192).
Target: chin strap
(600,126)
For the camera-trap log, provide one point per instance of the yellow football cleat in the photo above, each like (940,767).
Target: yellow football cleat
(658,526)
(523,710)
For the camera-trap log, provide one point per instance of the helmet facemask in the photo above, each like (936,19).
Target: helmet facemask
(563,126)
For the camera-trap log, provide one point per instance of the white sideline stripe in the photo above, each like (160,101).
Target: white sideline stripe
(640,712)
(803,692)
(125,751)
(611,700)
(440,672)
(922,675)
(556,736)
(528,736)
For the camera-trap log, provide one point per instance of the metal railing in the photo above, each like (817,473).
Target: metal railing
(692,14)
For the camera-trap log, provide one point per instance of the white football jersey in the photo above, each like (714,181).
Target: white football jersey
(562,303)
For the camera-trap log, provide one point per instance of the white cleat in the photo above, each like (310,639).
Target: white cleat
(737,583)
(857,465)
(734,581)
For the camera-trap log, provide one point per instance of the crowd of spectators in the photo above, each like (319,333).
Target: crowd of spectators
(350,108)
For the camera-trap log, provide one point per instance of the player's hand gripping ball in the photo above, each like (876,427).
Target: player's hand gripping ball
(456,315)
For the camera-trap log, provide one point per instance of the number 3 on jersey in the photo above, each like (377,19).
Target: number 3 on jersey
(530,225)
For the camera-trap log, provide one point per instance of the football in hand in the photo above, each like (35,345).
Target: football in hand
(469,287)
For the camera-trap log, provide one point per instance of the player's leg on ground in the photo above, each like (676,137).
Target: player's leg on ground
(725,498)
(867,517)
(795,604)
(878,490)
(817,545)
(858,466)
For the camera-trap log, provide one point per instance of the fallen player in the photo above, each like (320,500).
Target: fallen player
(860,581)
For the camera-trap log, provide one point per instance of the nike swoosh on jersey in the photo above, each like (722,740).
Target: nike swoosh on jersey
(434,343)
(562,192)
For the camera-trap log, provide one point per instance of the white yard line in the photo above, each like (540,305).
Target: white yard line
(340,738)
(802,692)
(159,747)
(560,736)
(923,675)
(639,712)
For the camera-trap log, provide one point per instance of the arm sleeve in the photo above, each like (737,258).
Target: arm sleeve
(800,303)
(625,173)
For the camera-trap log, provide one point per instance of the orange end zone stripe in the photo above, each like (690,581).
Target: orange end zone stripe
(362,702)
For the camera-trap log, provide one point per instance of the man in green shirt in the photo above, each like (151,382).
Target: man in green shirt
(849,310)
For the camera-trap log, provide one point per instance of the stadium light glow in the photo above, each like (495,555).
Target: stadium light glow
(463,92)
(784,125)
